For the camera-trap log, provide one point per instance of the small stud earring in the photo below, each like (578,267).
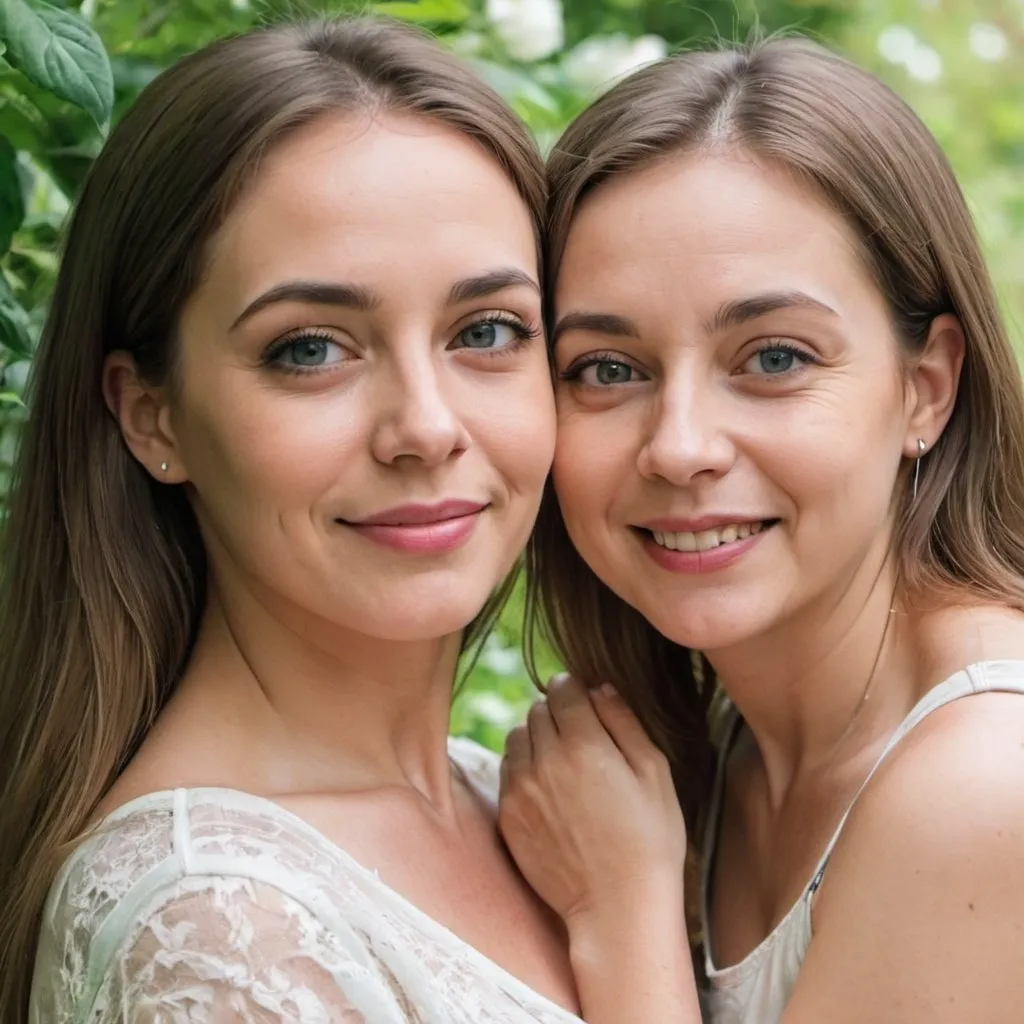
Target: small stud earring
(165,466)
(921,446)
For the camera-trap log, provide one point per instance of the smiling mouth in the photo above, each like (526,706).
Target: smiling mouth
(707,540)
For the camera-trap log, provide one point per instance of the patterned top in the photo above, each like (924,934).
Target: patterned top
(206,905)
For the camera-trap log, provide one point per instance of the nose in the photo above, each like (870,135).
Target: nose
(416,418)
(688,438)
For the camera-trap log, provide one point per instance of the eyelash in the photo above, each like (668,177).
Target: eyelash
(772,345)
(273,351)
(525,333)
(574,371)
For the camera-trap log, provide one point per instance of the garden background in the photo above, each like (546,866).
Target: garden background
(69,68)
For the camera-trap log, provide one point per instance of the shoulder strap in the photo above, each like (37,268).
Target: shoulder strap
(984,677)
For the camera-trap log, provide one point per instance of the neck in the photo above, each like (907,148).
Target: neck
(827,683)
(303,706)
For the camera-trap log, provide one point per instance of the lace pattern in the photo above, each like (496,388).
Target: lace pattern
(211,906)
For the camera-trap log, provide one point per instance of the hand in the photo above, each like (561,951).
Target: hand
(588,808)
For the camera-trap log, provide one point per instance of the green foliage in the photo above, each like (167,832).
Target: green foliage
(58,51)
(68,68)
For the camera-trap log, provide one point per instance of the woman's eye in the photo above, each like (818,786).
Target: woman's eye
(489,334)
(608,372)
(310,351)
(773,360)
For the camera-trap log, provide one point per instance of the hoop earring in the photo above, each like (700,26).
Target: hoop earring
(917,464)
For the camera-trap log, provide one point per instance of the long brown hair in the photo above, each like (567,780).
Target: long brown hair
(103,573)
(841,131)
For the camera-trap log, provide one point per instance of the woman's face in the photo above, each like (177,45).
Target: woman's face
(731,404)
(363,410)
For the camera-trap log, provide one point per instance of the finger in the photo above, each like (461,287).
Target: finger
(518,751)
(625,729)
(573,712)
(541,727)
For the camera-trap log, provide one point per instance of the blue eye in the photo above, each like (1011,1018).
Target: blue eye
(774,360)
(308,351)
(491,335)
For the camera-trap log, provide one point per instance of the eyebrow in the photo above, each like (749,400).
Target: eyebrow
(319,293)
(353,296)
(482,285)
(732,314)
(595,323)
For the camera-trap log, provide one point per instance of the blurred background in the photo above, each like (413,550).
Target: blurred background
(69,68)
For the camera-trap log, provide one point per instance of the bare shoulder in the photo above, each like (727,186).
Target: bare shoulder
(954,786)
(920,912)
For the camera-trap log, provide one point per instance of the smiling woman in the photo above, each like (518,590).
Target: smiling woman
(293,419)
(790,472)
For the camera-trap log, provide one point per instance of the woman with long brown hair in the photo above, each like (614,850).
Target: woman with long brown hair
(789,471)
(290,426)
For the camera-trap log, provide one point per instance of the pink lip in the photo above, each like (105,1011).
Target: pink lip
(422,529)
(709,522)
(697,562)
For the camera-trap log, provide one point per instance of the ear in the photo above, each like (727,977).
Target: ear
(933,380)
(144,416)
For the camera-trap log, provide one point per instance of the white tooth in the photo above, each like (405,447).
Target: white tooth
(659,538)
(729,534)
(756,527)
(707,539)
(686,542)
(743,531)
(670,541)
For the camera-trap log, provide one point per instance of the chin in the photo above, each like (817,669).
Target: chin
(706,624)
(408,619)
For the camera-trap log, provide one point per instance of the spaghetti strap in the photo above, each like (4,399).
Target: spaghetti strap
(758,987)
(983,677)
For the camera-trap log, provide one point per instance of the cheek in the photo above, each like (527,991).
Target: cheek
(594,464)
(834,463)
(515,425)
(263,452)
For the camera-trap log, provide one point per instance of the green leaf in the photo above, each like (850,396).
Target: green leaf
(59,51)
(10,398)
(12,204)
(425,11)
(14,324)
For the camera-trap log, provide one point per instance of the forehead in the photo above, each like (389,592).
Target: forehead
(705,228)
(379,198)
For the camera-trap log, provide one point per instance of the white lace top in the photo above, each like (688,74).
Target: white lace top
(212,905)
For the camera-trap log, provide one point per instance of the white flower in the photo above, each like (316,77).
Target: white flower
(988,41)
(924,64)
(530,29)
(601,60)
(898,45)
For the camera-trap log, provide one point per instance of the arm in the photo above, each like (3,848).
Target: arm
(589,812)
(232,950)
(920,919)
(632,962)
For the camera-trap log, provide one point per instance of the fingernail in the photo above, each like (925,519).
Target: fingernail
(608,690)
